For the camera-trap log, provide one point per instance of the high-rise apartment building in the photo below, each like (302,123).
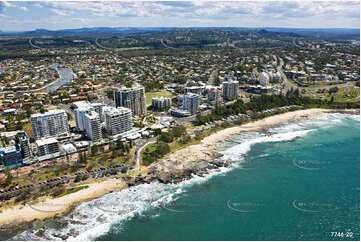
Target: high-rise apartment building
(132,98)
(93,126)
(191,103)
(83,107)
(24,144)
(50,124)
(161,103)
(118,120)
(230,90)
(264,79)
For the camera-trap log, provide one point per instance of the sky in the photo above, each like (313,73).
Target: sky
(53,15)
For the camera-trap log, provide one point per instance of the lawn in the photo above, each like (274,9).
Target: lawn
(353,95)
(150,95)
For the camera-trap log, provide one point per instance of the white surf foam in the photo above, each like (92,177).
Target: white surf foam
(236,152)
(98,215)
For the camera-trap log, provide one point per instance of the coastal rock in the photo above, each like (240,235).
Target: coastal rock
(73,233)
(61,236)
(101,218)
(40,233)
(76,222)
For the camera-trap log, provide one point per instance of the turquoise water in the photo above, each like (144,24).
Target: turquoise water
(299,181)
(263,197)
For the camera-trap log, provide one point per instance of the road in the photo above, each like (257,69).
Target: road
(289,85)
(139,148)
(212,77)
(32,44)
(101,46)
(165,45)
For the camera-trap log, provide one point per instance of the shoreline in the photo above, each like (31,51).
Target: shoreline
(173,168)
(200,158)
(52,207)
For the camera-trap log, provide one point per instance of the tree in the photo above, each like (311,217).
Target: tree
(179,131)
(120,145)
(9,178)
(94,150)
(333,90)
(58,190)
(23,195)
(124,169)
(162,149)
(114,154)
(158,131)
(166,137)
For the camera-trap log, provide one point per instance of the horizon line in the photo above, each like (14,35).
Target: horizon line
(19,31)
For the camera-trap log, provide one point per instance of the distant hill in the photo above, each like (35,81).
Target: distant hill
(341,33)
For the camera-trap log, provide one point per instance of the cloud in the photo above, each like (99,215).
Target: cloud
(191,13)
(8,5)
(35,4)
(60,12)
(215,9)
(5,4)
(23,8)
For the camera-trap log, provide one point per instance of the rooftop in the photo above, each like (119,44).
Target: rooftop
(47,141)
(8,149)
(50,112)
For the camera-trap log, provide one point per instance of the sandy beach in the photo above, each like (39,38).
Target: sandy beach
(205,150)
(57,206)
(194,155)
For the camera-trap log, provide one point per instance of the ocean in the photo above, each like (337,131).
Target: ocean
(298,181)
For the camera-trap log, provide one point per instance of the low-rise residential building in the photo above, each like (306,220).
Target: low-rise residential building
(194,89)
(68,149)
(47,148)
(214,95)
(176,112)
(10,156)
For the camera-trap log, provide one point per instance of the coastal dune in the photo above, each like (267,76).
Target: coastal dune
(186,159)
